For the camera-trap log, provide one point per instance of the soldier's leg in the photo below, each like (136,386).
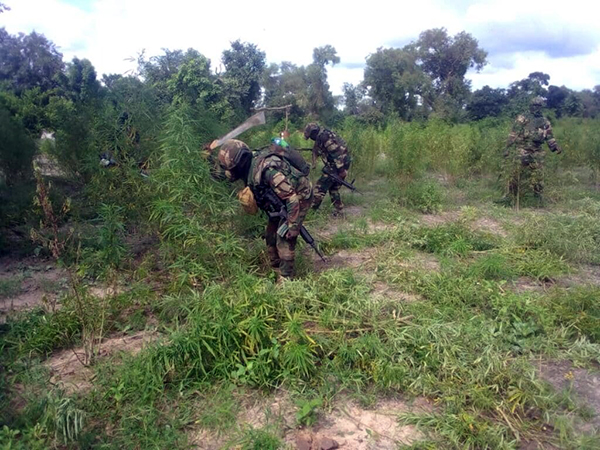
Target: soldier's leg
(536,169)
(336,198)
(320,190)
(287,247)
(287,253)
(271,238)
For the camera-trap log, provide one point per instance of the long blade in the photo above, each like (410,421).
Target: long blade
(256,119)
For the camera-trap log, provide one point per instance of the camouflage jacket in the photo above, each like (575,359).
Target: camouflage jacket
(332,149)
(529,132)
(290,185)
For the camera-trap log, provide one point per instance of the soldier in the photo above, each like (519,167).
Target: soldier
(265,172)
(528,134)
(334,152)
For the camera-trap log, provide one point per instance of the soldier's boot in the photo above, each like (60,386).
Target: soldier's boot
(317,200)
(274,259)
(287,269)
(336,199)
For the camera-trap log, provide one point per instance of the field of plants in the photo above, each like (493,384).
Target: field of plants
(143,312)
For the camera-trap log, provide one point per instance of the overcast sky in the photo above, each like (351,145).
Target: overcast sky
(558,37)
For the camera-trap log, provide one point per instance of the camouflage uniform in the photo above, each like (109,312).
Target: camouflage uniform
(270,170)
(334,153)
(526,161)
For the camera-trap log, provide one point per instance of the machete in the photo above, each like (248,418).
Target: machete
(256,119)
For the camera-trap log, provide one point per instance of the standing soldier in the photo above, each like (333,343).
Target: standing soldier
(334,152)
(266,173)
(528,134)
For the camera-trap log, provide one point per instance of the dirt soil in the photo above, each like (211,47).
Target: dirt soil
(345,425)
(363,259)
(585,385)
(68,372)
(38,282)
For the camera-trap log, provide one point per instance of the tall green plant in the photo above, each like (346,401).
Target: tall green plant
(193,211)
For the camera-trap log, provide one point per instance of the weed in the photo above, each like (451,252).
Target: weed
(307,413)
(10,287)
(424,196)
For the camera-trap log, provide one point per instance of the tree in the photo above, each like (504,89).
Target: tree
(446,60)
(520,92)
(28,61)
(556,97)
(396,83)
(158,70)
(16,148)
(320,98)
(487,102)
(80,83)
(305,88)
(244,67)
(352,97)
(591,107)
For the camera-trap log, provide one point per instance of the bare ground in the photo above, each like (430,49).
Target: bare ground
(68,372)
(37,282)
(584,383)
(482,224)
(345,424)
(362,259)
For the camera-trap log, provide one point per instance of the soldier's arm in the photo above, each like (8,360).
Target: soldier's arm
(315,153)
(549,136)
(286,192)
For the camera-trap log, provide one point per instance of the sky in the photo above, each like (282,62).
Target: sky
(558,37)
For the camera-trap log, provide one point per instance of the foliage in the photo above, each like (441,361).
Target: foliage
(244,66)
(14,165)
(487,102)
(28,61)
(396,83)
(451,323)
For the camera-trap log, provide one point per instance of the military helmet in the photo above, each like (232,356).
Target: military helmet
(537,103)
(311,130)
(231,153)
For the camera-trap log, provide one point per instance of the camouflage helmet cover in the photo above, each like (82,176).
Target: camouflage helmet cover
(230,153)
(311,130)
(537,103)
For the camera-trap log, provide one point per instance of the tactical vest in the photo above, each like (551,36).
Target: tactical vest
(298,168)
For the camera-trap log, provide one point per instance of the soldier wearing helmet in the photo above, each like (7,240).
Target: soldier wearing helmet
(269,170)
(336,158)
(524,151)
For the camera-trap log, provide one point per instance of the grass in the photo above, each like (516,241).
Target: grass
(468,341)
(11,286)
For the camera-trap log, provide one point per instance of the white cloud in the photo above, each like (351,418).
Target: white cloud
(108,32)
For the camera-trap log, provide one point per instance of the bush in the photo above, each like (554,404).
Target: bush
(16,150)
(424,196)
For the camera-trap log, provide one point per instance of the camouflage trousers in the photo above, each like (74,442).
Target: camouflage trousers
(527,174)
(282,251)
(327,184)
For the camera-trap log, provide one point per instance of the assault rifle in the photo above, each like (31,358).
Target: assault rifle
(276,208)
(343,182)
